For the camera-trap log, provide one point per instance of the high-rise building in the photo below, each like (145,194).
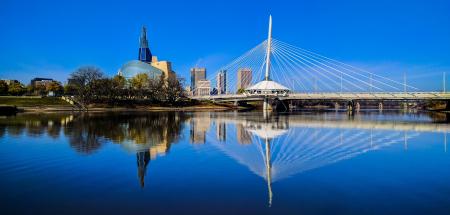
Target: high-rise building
(221,82)
(196,75)
(203,88)
(144,51)
(244,78)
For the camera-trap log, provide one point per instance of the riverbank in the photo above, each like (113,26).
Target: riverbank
(127,109)
(55,104)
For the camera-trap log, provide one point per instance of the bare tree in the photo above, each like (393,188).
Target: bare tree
(85,82)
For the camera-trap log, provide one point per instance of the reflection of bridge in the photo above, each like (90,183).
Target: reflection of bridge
(309,122)
(284,145)
(277,153)
(279,71)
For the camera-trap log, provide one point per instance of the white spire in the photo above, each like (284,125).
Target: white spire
(269,49)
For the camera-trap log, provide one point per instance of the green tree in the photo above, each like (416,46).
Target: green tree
(3,87)
(55,87)
(140,84)
(40,90)
(70,89)
(119,86)
(174,90)
(16,89)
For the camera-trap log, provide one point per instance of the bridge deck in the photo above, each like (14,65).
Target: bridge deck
(333,96)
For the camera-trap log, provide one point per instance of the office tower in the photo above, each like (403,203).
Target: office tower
(203,88)
(221,82)
(196,75)
(244,78)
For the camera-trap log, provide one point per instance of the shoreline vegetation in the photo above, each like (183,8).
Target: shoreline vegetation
(12,104)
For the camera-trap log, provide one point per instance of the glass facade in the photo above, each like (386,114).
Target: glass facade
(132,68)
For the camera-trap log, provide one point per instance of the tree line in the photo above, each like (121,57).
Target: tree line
(15,88)
(89,85)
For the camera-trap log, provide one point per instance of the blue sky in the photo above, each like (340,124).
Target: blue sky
(53,38)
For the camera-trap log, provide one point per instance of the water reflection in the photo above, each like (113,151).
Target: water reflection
(281,146)
(147,135)
(274,147)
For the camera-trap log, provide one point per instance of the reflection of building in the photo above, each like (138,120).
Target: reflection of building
(146,63)
(203,88)
(199,125)
(221,131)
(243,136)
(143,159)
(244,78)
(221,82)
(197,74)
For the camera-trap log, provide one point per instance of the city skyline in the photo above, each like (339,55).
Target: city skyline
(371,36)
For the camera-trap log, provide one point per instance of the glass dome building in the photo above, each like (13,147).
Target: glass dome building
(134,67)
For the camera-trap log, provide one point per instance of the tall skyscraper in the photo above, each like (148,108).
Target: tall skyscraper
(244,78)
(197,74)
(144,51)
(221,82)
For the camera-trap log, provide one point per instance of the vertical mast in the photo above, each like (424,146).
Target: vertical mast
(269,49)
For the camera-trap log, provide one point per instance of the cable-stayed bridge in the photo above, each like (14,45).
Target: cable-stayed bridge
(277,70)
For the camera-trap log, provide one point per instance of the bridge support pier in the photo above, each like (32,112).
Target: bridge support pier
(266,104)
(351,107)
(357,106)
(404,106)
(380,106)
(337,106)
(447,105)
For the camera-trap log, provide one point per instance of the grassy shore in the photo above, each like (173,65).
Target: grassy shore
(33,101)
(54,104)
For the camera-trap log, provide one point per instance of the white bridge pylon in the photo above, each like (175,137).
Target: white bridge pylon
(281,68)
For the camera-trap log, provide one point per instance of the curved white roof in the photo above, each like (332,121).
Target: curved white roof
(267,85)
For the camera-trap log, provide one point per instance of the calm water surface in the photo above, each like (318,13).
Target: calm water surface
(225,163)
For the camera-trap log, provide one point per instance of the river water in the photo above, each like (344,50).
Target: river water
(225,163)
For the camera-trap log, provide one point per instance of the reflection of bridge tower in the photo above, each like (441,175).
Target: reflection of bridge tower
(268,132)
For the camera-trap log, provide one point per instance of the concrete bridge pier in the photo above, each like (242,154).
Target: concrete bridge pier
(351,107)
(447,105)
(357,106)
(266,105)
(380,106)
(404,105)
(337,106)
